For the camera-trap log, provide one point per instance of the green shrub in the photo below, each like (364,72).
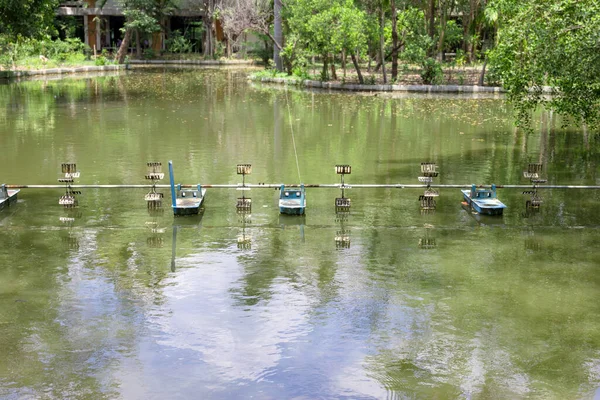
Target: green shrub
(101,60)
(219,50)
(58,50)
(6,50)
(295,59)
(301,73)
(27,51)
(262,50)
(431,72)
(177,43)
(149,54)
(492,77)
(270,73)
(75,58)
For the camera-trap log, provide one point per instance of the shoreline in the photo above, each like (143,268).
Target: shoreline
(356,87)
(10,75)
(18,74)
(196,62)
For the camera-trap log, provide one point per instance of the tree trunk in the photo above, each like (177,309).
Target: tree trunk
(469,33)
(440,46)
(207,39)
(166,28)
(431,30)
(243,50)
(479,34)
(355,62)
(208,29)
(344,62)
(138,45)
(278,35)
(124,47)
(382,41)
(333,74)
(394,41)
(324,76)
(482,75)
(388,55)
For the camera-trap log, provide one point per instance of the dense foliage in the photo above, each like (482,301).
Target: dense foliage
(27,18)
(38,53)
(555,44)
(531,47)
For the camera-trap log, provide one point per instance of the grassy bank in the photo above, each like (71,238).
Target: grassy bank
(407,75)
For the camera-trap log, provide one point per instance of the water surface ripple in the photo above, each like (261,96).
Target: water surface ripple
(94,303)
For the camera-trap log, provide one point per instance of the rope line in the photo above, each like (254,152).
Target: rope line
(292,130)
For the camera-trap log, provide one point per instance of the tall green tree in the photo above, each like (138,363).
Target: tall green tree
(328,27)
(351,34)
(142,16)
(553,44)
(28,18)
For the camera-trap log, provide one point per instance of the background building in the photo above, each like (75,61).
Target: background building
(100,28)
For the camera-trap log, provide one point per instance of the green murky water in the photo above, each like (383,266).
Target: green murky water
(105,307)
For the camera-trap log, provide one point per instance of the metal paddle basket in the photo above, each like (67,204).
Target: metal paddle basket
(244,204)
(155,239)
(342,239)
(427,242)
(244,240)
(533,173)
(427,201)
(154,174)
(68,200)
(342,204)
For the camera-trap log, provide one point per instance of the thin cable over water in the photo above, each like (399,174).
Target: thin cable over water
(292,130)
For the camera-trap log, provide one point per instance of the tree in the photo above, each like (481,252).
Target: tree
(28,18)
(395,41)
(328,27)
(255,15)
(416,41)
(445,7)
(382,38)
(141,16)
(209,27)
(351,34)
(553,43)
(278,34)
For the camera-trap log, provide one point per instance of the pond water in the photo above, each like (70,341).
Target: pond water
(111,301)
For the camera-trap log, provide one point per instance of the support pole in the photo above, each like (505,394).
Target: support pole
(172,183)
